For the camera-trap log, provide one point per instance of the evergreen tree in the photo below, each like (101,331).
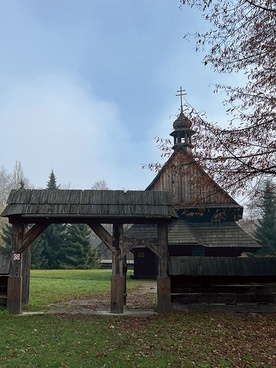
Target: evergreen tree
(52,182)
(77,251)
(51,241)
(38,259)
(265,231)
(5,243)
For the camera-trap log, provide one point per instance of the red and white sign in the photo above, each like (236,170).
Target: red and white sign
(16,256)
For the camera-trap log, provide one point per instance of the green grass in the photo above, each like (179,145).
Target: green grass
(52,286)
(177,339)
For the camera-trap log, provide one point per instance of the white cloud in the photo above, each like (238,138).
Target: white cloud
(53,121)
(84,89)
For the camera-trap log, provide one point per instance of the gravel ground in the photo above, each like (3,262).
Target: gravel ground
(139,301)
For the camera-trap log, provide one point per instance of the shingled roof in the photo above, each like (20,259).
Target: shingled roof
(226,234)
(181,232)
(34,204)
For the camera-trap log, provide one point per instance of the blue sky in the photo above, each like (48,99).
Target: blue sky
(86,85)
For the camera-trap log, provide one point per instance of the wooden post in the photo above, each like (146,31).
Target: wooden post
(26,266)
(14,300)
(117,278)
(117,294)
(163,280)
(125,278)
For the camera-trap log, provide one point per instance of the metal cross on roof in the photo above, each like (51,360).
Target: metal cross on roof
(181,93)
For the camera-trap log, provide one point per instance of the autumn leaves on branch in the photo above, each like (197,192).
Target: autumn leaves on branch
(241,39)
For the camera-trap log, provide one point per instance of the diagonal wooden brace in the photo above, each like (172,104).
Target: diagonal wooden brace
(103,234)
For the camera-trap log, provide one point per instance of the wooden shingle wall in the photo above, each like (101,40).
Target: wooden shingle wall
(189,184)
(223,266)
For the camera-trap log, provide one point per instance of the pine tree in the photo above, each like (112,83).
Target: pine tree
(38,259)
(77,251)
(52,182)
(52,239)
(265,231)
(5,239)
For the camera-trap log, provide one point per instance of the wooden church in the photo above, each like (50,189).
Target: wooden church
(208,215)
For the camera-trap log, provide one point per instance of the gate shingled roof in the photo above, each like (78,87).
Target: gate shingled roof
(108,204)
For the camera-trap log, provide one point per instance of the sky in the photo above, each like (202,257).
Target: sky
(86,85)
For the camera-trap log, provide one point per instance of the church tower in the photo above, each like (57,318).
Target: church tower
(182,132)
(192,189)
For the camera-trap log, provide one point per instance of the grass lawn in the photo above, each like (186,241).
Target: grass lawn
(53,286)
(176,339)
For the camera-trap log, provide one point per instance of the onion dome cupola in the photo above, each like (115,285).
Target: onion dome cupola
(182,132)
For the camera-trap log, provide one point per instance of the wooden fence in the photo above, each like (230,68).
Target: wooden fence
(229,281)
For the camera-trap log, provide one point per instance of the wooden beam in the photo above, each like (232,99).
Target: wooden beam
(163,294)
(32,234)
(163,280)
(103,234)
(17,243)
(117,295)
(162,233)
(117,265)
(129,243)
(14,299)
(115,244)
(26,273)
(78,219)
(118,271)
(134,242)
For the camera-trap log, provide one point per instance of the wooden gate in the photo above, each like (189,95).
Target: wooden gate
(40,208)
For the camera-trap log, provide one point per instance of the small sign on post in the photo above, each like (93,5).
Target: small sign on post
(16,256)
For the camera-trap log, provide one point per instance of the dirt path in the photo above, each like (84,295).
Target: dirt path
(142,299)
